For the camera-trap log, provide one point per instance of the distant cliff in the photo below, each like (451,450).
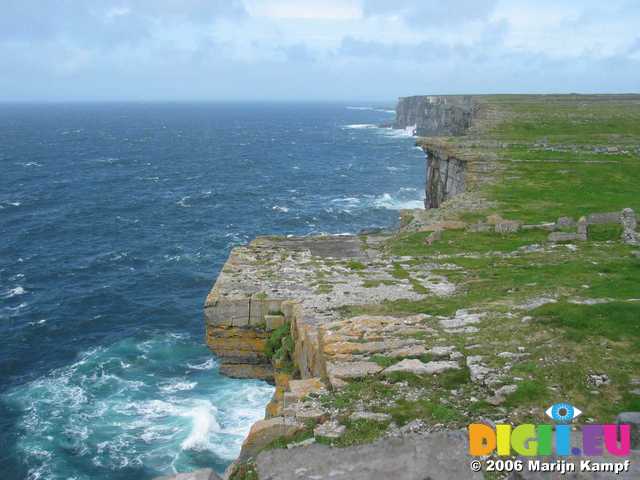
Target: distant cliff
(439,116)
(436,115)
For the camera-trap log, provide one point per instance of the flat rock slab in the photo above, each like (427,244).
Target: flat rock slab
(438,456)
(263,432)
(349,370)
(344,246)
(202,474)
(302,388)
(421,368)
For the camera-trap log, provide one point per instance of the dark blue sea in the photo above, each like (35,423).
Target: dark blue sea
(114,222)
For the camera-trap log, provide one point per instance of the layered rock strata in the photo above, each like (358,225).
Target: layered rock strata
(302,282)
(436,115)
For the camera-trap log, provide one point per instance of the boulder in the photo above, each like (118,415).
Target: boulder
(565,222)
(507,226)
(370,416)
(263,432)
(582,229)
(331,430)
(349,370)
(500,395)
(410,351)
(629,225)
(301,388)
(440,352)
(603,218)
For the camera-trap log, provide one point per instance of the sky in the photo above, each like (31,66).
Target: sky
(318,50)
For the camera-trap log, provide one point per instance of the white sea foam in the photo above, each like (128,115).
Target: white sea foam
(360,126)
(14,292)
(392,203)
(207,365)
(203,422)
(183,202)
(372,109)
(118,417)
(178,386)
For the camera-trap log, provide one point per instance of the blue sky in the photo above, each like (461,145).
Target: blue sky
(315,50)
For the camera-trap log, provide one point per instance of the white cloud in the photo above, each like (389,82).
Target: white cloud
(309,9)
(320,48)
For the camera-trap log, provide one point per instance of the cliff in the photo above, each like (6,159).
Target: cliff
(430,116)
(462,315)
(434,119)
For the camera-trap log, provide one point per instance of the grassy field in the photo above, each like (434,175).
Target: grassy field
(556,159)
(557,156)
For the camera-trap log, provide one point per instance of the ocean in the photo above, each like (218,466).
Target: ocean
(115,220)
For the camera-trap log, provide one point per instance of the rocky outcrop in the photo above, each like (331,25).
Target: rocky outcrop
(439,115)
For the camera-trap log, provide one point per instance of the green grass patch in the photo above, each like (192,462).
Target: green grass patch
(405,411)
(355,265)
(361,431)
(615,320)
(528,392)
(358,390)
(385,361)
(456,241)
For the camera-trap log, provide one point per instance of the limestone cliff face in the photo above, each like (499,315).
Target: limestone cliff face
(436,115)
(439,116)
(446,175)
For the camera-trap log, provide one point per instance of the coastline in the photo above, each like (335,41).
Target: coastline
(323,316)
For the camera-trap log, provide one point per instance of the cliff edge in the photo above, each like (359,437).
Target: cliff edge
(519,289)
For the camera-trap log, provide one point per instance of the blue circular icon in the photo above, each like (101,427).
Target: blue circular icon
(562,412)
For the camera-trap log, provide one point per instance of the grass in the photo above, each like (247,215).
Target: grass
(355,265)
(280,347)
(529,391)
(365,389)
(405,411)
(361,431)
(615,320)
(460,241)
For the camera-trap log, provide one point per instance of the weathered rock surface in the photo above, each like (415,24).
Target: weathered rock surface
(419,368)
(330,430)
(263,432)
(435,115)
(633,419)
(629,225)
(438,456)
(446,175)
(202,474)
(576,441)
(302,281)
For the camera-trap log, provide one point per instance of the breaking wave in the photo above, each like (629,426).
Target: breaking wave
(148,403)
